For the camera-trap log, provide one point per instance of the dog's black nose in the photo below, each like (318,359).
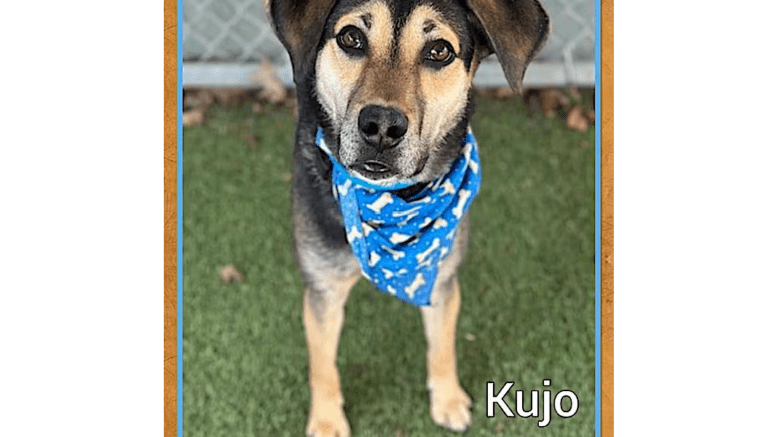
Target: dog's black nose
(382,127)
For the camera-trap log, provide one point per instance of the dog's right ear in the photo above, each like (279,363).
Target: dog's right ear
(516,30)
(299,25)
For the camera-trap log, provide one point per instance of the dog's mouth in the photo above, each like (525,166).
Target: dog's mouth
(377,171)
(381,171)
(374,169)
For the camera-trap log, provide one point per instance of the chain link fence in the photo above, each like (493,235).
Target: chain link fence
(224,42)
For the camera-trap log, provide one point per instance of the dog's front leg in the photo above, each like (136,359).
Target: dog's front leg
(449,403)
(323,317)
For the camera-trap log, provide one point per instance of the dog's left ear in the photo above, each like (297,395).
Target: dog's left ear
(299,25)
(516,30)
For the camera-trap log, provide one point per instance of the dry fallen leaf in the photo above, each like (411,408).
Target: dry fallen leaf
(230,273)
(193,117)
(552,100)
(469,337)
(499,427)
(230,97)
(253,141)
(272,88)
(577,120)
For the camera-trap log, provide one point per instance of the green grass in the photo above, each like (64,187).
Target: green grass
(527,286)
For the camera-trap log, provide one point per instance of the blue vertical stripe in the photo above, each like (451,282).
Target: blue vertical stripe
(598,217)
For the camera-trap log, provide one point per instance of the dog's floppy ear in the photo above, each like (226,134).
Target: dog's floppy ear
(299,25)
(516,30)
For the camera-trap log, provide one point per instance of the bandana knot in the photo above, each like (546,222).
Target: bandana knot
(401,242)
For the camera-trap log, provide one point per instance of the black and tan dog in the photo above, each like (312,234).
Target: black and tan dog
(389,83)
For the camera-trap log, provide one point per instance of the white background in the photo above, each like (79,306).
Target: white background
(695,218)
(81,213)
(81,201)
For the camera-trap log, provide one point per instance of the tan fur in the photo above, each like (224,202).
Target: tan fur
(444,91)
(374,19)
(449,403)
(322,332)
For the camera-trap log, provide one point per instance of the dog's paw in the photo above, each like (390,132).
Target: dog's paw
(328,423)
(450,406)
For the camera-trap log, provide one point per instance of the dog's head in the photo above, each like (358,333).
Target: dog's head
(393,77)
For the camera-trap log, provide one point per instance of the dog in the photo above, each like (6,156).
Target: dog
(384,93)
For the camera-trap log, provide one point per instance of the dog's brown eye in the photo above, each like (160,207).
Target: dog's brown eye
(439,54)
(352,40)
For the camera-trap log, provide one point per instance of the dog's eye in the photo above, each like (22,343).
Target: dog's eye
(351,40)
(439,54)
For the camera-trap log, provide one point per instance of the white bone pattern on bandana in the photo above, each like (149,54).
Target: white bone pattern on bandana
(401,243)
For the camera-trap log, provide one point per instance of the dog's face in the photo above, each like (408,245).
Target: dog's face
(393,77)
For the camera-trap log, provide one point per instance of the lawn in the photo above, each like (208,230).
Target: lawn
(527,286)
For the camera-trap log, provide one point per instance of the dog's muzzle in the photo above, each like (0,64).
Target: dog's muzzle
(382,128)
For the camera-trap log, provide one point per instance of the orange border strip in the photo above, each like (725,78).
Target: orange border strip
(608,219)
(170,217)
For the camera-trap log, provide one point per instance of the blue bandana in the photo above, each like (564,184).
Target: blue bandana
(401,243)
